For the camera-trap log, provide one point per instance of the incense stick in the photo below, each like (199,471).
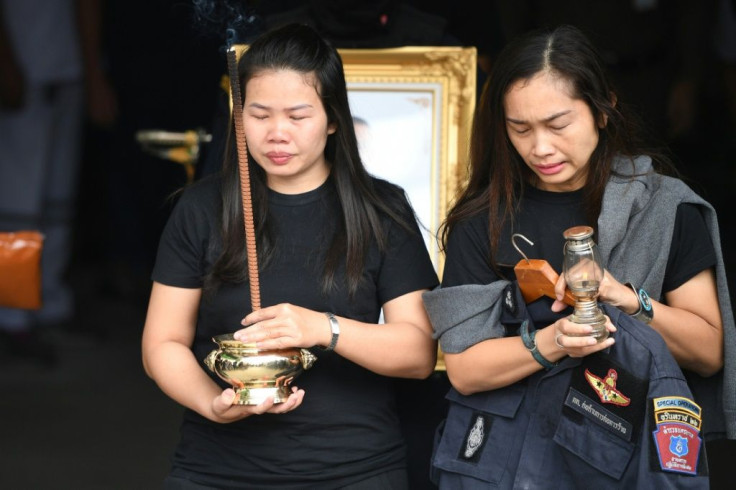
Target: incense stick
(250,237)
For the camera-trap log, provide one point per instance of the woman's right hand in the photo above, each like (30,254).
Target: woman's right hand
(575,339)
(225,412)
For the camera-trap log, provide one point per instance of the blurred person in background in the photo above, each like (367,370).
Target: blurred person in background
(50,71)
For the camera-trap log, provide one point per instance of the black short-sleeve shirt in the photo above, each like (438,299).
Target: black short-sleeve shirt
(542,218)
(347,427)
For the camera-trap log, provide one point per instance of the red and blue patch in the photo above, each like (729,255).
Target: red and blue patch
(677,440)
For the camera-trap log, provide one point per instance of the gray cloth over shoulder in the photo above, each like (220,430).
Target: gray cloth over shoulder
(462,316)
(635,230)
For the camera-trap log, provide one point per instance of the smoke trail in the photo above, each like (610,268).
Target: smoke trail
(232,21)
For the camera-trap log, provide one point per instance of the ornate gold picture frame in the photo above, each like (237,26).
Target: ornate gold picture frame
(413,108)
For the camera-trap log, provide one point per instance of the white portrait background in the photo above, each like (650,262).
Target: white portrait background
(397,135)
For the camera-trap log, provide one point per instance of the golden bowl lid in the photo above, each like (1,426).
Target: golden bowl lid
(227,341)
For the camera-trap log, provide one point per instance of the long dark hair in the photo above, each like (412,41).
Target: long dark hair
(300,48)
(497,173)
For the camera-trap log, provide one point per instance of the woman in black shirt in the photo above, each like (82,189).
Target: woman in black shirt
(331,239)
(552,149)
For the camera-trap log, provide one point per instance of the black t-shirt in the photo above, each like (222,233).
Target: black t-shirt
(542,218)
(347,428)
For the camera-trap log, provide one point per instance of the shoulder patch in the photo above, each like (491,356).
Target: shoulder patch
(677,421)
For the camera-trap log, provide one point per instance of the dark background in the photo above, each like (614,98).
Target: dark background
(92,419)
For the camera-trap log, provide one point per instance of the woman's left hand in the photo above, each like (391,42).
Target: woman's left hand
(616,294)
(283,326)
(610,291)
(224,411)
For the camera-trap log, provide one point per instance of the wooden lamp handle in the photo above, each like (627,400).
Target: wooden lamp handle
(537,278)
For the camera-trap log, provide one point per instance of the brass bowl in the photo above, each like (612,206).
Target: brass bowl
(257,374)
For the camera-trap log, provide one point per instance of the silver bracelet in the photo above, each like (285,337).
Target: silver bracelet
(335,328)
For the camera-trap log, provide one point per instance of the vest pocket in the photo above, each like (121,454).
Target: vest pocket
(480,433)
(586,442)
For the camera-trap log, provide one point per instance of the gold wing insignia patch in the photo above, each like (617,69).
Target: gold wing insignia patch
(606,388)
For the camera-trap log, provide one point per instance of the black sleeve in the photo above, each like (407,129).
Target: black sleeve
(407,265)
(181,255)
(467,259)
(691,250)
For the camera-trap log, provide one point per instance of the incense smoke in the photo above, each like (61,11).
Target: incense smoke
(232,21)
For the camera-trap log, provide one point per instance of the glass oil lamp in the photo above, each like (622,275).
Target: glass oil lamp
(583,273)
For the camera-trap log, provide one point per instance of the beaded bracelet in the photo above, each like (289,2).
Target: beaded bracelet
(531,346)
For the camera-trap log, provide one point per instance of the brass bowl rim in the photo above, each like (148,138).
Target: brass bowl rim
(227,340)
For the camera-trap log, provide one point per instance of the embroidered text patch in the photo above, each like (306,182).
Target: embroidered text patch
(677,422)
